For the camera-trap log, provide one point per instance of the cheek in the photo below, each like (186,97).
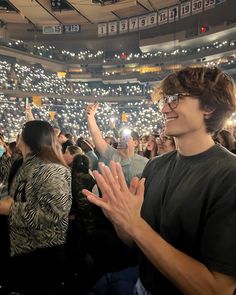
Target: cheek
(70,158)
(19,144)
(66,156)
(130,142)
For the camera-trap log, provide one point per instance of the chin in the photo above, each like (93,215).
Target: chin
(172,133)
(169,133)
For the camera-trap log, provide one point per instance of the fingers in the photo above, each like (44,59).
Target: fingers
(114,173)
(95,199)
(91,108)
(111,181)
(96,105)
(134,185)
(121,177)
(106,189)
(140,188)
(101,167)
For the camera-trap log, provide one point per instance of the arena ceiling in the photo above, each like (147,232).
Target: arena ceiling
(24,19)
(40,12)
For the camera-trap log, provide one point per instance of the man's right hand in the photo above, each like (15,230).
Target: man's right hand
(91,109)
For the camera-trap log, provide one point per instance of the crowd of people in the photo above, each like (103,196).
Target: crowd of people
(125,214)
(50,51)
(35,78)
(70,115)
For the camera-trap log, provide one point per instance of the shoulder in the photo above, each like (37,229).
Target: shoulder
(224,161)
(111,153)
(141,158)
(160,160)
(51,170)
(91,154)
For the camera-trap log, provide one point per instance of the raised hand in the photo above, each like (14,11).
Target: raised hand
(112,123)
(91,109)
(28,112)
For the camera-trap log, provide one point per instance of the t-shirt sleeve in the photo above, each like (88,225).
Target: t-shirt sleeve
(218,246)
(108,155)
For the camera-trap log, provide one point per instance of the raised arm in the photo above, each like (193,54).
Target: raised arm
(28,113)
(95,132)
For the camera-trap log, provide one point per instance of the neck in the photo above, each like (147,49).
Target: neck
(25,152)
(193,145)
(127,153)
(130,151)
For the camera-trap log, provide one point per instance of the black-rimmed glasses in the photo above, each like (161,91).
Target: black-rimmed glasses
(172,100)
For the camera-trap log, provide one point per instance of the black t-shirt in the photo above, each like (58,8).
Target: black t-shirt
(191,202)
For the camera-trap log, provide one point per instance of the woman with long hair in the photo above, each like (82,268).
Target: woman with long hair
(151,148)
(37,207)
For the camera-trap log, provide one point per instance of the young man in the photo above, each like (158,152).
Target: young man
(132,163)
(185,224)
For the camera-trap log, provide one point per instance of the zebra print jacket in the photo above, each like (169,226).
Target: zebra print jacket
(5,167)
(42,200)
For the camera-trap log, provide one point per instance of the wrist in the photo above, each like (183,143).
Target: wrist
(138,230)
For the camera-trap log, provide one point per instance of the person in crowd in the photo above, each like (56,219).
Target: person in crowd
(64,141)
(16,160)
(151,147)
(132,163)
(226,139)
(56,130)
(143,144)
(28,113)
(88,148)
(81,216)
(82,178)
(70,137)
(184,223)
(165,144)
(13,149)
(37,207)
(5,163)
(109,140)
(70,152)
(234,132)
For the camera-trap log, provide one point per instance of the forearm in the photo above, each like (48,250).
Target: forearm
(126,238)
(189,275)
(5,167)
(96,135)
(29,117)
(115,132)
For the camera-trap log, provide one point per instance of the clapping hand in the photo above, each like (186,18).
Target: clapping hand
(122,205)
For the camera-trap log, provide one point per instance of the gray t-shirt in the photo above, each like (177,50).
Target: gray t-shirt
(132,166)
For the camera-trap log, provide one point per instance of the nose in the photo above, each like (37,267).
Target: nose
(166,108)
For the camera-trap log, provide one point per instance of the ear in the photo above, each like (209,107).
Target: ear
(208,111)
